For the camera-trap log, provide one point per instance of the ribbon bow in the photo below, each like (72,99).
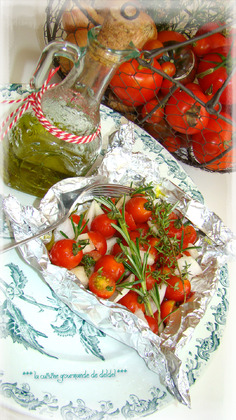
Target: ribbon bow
(34,100)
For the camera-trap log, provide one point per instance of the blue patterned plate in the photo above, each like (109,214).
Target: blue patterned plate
(56,366)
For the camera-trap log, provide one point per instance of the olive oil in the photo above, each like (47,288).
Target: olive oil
(34,159)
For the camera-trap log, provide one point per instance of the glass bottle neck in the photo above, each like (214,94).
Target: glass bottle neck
(91,76)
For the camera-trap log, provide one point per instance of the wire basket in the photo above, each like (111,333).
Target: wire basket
(160,109)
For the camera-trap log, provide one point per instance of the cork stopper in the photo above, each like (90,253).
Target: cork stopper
(126,22)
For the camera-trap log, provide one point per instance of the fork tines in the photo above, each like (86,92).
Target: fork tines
(111,190)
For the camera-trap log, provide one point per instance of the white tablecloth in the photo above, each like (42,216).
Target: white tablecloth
(213,394)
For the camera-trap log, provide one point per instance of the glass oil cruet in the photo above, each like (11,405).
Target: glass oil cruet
(35,159)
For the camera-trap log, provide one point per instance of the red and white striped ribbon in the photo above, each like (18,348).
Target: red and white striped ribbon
(34,100)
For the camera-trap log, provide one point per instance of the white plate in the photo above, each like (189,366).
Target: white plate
(56,366)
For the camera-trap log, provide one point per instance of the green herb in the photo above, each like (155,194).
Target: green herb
(168,246)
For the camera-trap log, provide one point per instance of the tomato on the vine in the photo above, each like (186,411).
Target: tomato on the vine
(214,140)
(186,114)
(172,143)
(169,35)
(160,130)
(169,68)
(213,71)
(153,44)
(102,285)
(177,289)
(210,42)
(132,301)
(208,27)
(66,253)
(205,45)
(180,63)
(111,266)
(156,114)
(193,86)
(135,84)
(166,86)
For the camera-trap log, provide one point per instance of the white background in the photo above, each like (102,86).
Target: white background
(213,396)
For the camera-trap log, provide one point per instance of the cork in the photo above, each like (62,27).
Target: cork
(125,22)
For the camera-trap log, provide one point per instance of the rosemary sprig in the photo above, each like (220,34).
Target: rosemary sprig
(133,261)
(169,247)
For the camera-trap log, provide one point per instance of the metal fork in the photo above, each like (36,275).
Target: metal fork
(70,200)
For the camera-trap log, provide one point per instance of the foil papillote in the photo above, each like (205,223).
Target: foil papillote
(160,353)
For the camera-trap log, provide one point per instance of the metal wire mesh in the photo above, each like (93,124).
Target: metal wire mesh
(147,107)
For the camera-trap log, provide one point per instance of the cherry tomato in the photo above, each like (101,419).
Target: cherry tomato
(116,249)
(156,115)
(137,206)
(177,289)
(143,229)
(205,45)
(165,272)
(77,220)
(210,42)
(102,285)
(165,87)
(66,253)
(212,72)
(166,36)
(169,68)
(150,280)
(208,27)
(111,266)
(133,236)
(107,209)
(153,44)
(214,140)
(185,114)
(193,86)
(132,301)
(190,235)
(129,220)
(153,242)
(153,324)
(172,143)
(160,130)
(103,224)
(99,241)
(134,84)
(167,307)
(176,227)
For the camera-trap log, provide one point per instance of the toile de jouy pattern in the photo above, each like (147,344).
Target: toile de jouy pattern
(33,318)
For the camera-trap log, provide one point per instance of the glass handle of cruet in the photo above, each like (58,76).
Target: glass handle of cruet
(49,54)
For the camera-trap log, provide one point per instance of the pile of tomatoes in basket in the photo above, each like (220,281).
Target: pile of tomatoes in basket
(183,94)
